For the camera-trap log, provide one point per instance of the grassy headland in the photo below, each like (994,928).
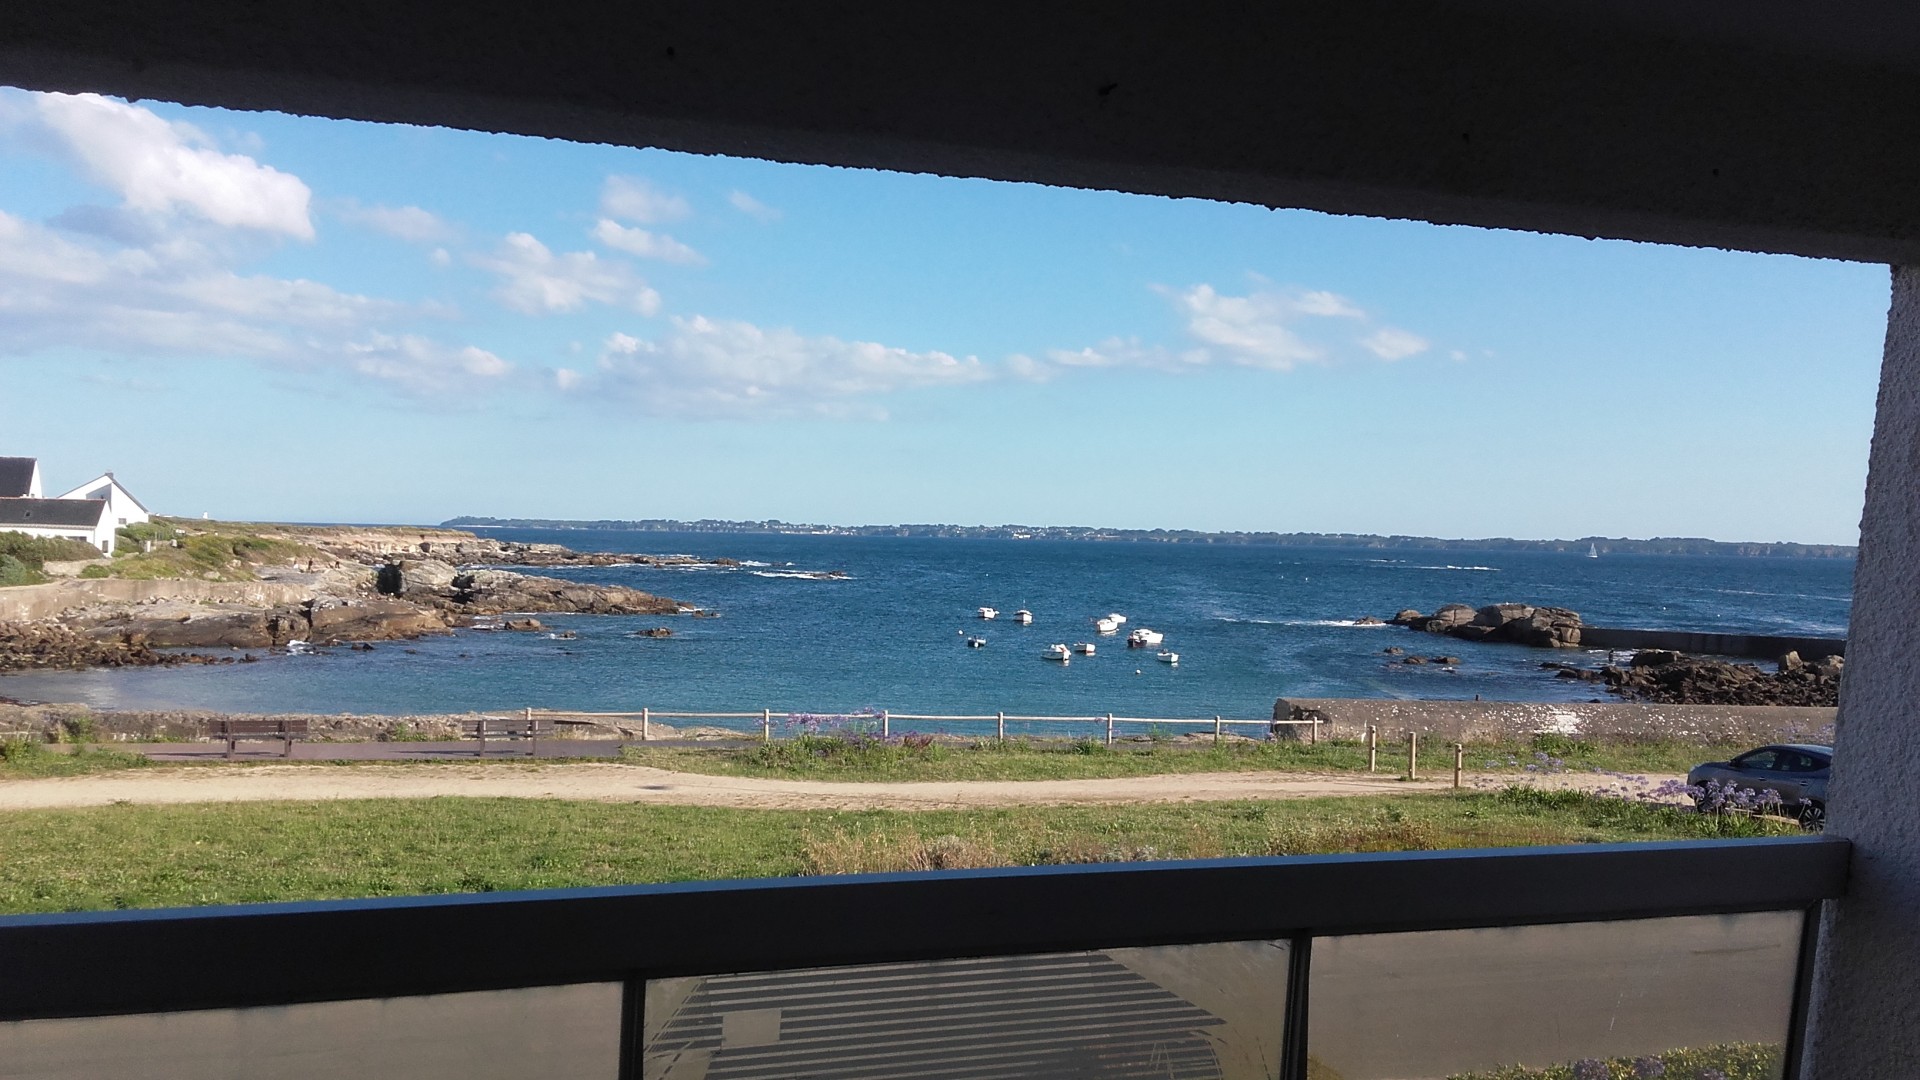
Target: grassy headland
(147,856)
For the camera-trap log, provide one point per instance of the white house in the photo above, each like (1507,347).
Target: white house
(19,478)
(90,512)
(122,507)
(76,519)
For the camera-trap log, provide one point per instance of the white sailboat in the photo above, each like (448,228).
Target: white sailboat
(1593,551)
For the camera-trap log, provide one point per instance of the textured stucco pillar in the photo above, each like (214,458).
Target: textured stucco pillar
(1865,1019)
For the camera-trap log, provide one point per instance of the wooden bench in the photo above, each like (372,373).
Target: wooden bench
(235,730)
(510,728)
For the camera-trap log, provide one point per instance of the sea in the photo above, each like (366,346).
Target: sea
(1250,624)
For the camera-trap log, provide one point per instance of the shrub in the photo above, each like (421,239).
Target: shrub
(95,571)
(15,572)
(36,551)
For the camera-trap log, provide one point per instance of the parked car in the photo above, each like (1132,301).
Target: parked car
(1798,771)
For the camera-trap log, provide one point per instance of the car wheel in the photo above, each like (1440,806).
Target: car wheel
(1813,816)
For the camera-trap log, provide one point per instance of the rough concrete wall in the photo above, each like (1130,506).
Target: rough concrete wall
(26,602)
(1470,721)
(1866,1004)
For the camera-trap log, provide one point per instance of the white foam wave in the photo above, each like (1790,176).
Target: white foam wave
(1300,622)
(1479,569)
(754,562)
(804,575)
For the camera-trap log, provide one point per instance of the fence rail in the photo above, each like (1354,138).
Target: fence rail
(885,717)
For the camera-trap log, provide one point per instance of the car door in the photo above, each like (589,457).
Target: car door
(1801,776)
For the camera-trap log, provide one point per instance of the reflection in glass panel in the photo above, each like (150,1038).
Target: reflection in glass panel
(1678,998)
(1184,1012)
(555,1033)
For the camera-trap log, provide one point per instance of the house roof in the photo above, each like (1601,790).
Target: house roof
(16,476)
(79,513)
(108,478)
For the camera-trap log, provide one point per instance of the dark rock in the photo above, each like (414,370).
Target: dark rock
(524,625)
(656,632)
(1393,650)
(1406,617)
(1368,620)
(1414,660)
(1448,660)
(1791,662)
(1655,657)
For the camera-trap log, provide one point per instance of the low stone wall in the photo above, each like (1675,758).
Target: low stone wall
(24,603)
(1761,646)
(1470,721)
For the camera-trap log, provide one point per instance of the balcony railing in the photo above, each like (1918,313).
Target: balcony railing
(1428,964)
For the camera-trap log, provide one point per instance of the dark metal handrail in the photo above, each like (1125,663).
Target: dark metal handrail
(104,963)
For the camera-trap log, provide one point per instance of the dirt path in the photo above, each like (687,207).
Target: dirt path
(639,784)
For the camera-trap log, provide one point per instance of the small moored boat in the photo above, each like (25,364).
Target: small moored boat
(1106,625)
(1057,653)
(1084,648)
(1144,638)
(974,641)
(1167,657)
(1023,617)
(989,613)
(1118,619)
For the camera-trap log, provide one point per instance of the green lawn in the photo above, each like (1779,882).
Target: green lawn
(853,758)
(21,759)
(144,856)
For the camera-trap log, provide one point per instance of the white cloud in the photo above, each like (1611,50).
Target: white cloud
(1258,330)
(174,299)
(409,223)
(647,245)
(160,166)
(630,198)
(710,367)
(420,364)
(1389,343)
(566,378)
(535,281)
(752,207)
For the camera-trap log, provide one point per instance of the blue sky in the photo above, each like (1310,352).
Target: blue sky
(262,316)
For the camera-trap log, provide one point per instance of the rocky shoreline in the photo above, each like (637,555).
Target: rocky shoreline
(1652,675)
(349,585)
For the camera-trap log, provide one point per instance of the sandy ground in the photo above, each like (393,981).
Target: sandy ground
(639,784)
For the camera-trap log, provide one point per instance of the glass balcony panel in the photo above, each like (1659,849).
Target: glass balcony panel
(555,1033)
(1184,1012)
(1678,998)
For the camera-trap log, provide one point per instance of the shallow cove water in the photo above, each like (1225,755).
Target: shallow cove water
(1251,624)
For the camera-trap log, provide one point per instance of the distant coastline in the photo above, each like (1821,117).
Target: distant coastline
(1603,545)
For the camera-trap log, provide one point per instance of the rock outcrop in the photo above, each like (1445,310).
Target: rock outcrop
(26,646)
(446,588)
(1672,678)
(1521,624)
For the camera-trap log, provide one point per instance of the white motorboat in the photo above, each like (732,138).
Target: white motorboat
(1106,625)
(1056,652)
(974,641)
(1167,657)
(1144,638)
(1084,648)
(989,613)
(1118,619)
(1023,617)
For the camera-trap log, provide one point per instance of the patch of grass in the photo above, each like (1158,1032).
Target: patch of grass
(1731,1061)
(15,572)
(861,757)
(23,759)
(34,551)
(95,571)
(224,556)
(148,856)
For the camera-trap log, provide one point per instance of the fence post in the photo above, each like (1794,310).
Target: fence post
(1216,729)
(1373,748)
(533,737)
(1109,731)
(646,716)
(1313,732)
(886,725)
(1413,755)
(766,725)
(1000,725)
(1459,754)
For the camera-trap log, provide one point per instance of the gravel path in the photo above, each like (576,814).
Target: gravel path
(639,784)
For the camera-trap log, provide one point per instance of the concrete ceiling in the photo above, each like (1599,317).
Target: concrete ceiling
(1768,124)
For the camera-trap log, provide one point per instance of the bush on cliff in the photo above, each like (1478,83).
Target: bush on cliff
(15,572)
(36,551)
(225,556)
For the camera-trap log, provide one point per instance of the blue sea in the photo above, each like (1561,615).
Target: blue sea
(1251,624)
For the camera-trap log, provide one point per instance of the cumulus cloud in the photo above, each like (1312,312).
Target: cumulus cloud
(629,198)
(409,223)
(1389,343)
(647,245)
(535,281)
(173,299)
(752,207)
(162,166)
(717,368)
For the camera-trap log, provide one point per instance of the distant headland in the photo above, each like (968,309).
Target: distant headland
(1599,545)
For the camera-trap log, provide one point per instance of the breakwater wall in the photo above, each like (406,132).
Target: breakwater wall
(1761,646)
(1471,721)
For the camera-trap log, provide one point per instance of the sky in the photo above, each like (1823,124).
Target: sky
(259,316)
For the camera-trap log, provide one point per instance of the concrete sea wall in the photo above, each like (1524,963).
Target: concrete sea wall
(1762,646)
(1469,721)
